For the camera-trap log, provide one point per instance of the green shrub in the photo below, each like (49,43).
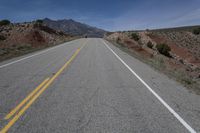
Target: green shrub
(2,38)
(21,48)
(147,30)
(196,31)
(187,81)
(164,49)
(135,36)
(39,21)
(4,22)
(150,45)
(118,39)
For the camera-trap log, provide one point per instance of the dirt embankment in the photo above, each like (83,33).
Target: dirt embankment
(18,39)
(184,62)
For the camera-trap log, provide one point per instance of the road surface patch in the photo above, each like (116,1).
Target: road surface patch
(38,92)
(176,115)
(8,116)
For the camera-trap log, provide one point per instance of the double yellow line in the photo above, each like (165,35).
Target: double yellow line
(29,100)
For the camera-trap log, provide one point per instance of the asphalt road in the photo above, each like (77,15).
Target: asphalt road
(90,86)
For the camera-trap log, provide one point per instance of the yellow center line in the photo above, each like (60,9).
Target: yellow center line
(22,111)
(25,100)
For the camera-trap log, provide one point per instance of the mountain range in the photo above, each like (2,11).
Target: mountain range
(72,27)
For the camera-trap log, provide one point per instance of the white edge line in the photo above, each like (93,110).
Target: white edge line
(183,122)
(38,53)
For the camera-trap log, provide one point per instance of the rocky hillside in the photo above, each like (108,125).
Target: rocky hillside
(75,28)
(175,51)
(182,39)
(17,39)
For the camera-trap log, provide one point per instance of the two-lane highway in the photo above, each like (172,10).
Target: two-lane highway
(89,85)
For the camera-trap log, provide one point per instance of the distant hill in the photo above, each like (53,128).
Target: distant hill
(183,28)
(182,62)
(75,28)
(20,38)
(183,42)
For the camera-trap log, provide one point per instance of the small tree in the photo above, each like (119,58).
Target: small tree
(164,49)
(4,22)
(147,30)
(150,45)
(39,21)
(196,31)
(135,36)
(2,38)
(118,39)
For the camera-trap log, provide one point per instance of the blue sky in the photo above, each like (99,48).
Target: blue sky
(110,15)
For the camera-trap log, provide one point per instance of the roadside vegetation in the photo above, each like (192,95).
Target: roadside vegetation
(4,22)
(135,36)
(163,49)
(156,48)
(196,31)
(21,38)
(150,45)
(2,38)
(39,21)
